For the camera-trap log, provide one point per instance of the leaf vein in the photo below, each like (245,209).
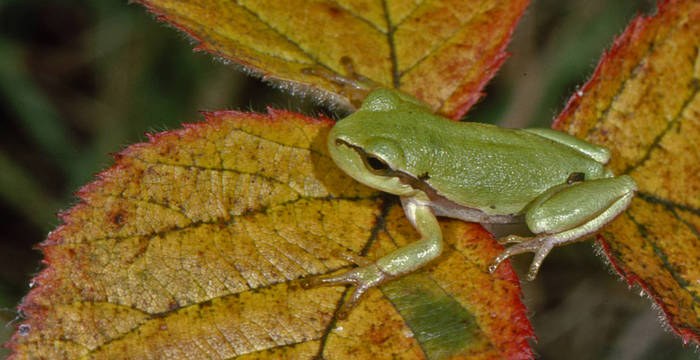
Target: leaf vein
(623,85)
(272,348)
(663,257)
(298,262)
(205,168)
(260,253)
(409,14)
(156,316)
(657,139)
(358,16)
(668,203)
(277,31)
(438,46)
(199,223)
(395,77)
(286,37)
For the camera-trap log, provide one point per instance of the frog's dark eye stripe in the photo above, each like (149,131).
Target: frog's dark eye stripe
(373,163)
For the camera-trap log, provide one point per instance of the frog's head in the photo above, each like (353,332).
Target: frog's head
(384,100)
(366,144)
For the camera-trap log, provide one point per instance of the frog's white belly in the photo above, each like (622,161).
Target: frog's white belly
(444,207)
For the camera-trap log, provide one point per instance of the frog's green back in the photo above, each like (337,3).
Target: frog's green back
(477,165)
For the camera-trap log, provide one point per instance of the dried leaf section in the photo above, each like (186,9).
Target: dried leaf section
(192,246)
(643,102)
(441,51)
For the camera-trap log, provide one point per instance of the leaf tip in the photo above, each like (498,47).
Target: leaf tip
(612,59)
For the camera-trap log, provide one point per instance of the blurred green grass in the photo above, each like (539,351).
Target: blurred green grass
(80,80)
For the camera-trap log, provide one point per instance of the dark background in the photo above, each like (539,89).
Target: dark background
(82,79)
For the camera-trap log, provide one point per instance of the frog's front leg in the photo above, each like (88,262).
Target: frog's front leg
(566,214)
(399,262)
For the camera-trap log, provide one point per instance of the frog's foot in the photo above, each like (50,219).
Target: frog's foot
(364,278)
(352,257)
(540,245)
(553,218)
(354,86)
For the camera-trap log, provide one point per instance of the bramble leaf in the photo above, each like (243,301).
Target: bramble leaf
(442,52)
(643,103)
(192,246)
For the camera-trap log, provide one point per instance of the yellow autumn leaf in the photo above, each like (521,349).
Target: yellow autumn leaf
(193,246)
(441,51)
(643,103)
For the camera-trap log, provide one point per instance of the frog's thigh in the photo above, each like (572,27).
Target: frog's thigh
(580,209)
(595,152)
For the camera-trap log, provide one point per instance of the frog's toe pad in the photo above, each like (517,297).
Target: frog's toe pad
(364,278)
(512,239)
(329,280)
(540,245)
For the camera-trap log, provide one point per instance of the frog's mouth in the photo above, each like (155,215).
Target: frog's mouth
(367,168)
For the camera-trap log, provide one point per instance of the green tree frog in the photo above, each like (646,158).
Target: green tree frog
(556,183)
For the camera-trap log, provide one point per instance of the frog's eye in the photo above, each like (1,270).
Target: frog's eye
(376,165)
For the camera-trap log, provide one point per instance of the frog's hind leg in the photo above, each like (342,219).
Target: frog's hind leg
(352,85)
(568,213)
